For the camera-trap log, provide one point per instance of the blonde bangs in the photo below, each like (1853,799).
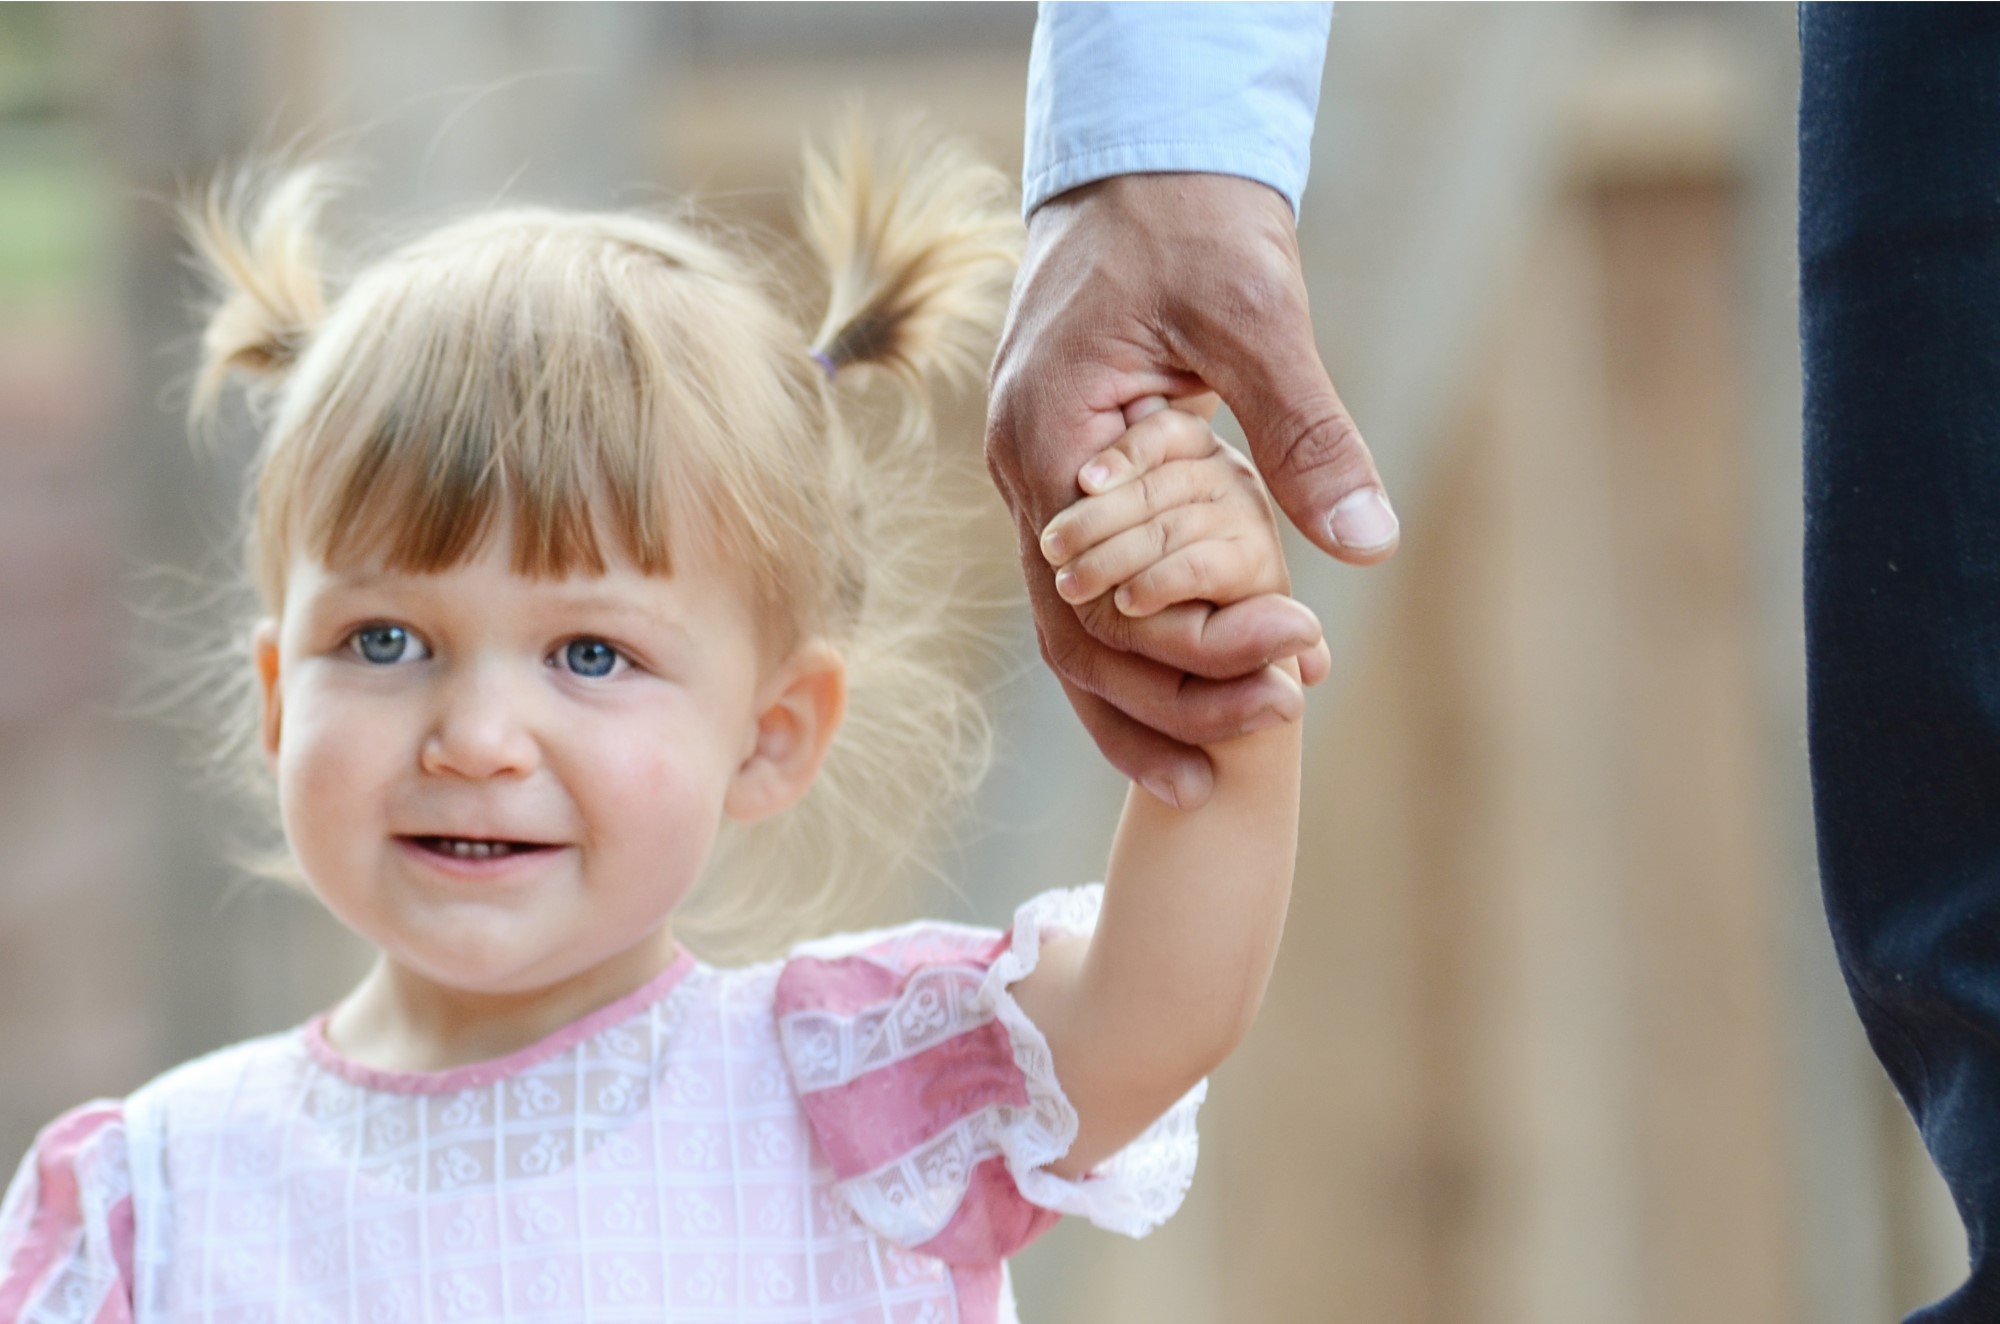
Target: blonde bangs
(544,383)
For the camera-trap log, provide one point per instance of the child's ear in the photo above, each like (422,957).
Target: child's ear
(264,653)
(798,711)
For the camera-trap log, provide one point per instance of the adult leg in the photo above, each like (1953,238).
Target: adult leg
(1899,253)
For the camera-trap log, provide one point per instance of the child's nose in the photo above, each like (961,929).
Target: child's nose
(478,731)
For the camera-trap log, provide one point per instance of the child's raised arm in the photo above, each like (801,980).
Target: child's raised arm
(1194,900)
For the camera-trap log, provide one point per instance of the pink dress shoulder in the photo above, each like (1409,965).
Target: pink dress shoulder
(66,1225)
(859,1132)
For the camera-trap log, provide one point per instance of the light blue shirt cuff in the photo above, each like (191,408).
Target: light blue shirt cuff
(1118,89)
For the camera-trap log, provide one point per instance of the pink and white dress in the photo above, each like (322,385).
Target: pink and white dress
(857,1133)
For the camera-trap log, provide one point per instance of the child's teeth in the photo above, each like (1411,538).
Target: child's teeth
(476,850)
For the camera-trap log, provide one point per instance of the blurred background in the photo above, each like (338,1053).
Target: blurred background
(1556,1035)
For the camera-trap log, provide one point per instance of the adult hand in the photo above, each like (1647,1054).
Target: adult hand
(1174,285)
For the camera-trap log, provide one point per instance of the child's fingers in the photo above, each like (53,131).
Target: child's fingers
(1163,435)
(1125,553)
(1315,664)
(1202,406)
(1213,570)
(1091,521)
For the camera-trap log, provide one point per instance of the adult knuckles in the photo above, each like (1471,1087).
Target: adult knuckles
(1108,626)
(1314,436)
(1073,655)
(1214,710)
(1130,746)
(1173,636)
(1251,630)
(1186,637)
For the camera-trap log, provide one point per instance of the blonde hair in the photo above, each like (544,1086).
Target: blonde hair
(578,377)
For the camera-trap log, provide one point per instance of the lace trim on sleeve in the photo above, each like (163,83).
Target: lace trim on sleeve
(1139,1187)
(914,1197)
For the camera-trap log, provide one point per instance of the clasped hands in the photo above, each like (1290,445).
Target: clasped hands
(1174,528)
(1159,589)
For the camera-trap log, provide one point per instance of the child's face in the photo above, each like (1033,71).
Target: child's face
(503,782)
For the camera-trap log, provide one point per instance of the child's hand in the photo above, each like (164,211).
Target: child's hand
(1171,517)
(1173,533)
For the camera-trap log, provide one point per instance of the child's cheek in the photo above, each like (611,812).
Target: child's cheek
(672,785)
(662,813)
(331,770)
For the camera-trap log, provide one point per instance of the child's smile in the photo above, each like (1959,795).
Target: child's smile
(476,856)
(476,848)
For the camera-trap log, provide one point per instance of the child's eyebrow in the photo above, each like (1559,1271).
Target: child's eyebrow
(610,604)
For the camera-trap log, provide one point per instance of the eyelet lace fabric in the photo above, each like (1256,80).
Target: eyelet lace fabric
(65,1245)
(659,1161)
(955,983)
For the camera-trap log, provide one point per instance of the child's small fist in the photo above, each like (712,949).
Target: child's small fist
(1170,515)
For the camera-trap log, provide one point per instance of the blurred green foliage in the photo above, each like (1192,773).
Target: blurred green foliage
(38,80)
(55,216)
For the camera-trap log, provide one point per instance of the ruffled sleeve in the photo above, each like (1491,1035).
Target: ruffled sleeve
(935,1099)
(66,1224)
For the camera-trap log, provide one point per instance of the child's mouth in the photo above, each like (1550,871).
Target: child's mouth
(473,848)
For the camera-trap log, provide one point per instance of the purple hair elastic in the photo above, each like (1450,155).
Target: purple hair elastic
(819,357)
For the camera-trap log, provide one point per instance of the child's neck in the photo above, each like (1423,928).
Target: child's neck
(399,1020)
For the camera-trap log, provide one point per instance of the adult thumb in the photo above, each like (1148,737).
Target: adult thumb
(1309,451)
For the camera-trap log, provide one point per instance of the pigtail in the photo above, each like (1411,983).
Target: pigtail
(919,241)
(258,244)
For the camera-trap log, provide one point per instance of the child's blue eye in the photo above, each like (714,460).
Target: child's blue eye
(590,657)
(384,644)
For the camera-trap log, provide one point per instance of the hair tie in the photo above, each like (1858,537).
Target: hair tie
(819,357)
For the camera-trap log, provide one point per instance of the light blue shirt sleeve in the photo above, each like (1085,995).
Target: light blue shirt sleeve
(1119,89)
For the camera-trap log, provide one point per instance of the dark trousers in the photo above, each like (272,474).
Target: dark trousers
(1899,264)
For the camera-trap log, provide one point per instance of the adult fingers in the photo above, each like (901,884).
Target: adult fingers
(1173,773)
(1246,331)
(1310,452)
(1188,708)
(1206,641)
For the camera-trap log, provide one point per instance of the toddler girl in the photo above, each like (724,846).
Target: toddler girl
(573,551)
